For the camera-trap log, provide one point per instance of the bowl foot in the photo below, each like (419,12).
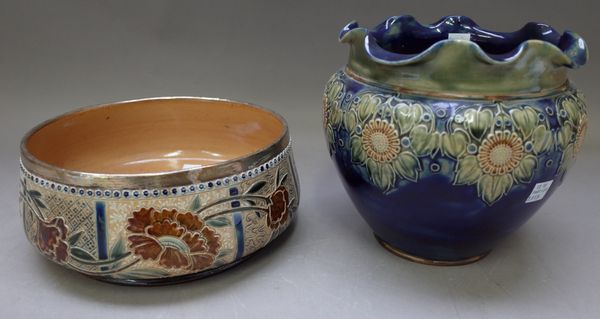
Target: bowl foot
(168,280)
(425,261)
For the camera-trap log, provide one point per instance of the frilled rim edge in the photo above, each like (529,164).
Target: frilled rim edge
(401,40)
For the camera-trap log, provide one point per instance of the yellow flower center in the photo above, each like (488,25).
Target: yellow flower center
(500,153)
(380,141)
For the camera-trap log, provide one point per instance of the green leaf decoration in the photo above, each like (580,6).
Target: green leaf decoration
(336,117)
(358,154)
(564,135)
(408,166)
(350,121)
(525,120)
(387,177)
(455,144)
(119,249)
(74,238)
(329,134)
(256,187)
(566,160)
(478,122)
(367,105)
(335,89)
(251,202)
(524,172)
(422,141)
(492,188)
(467,171)
(572,109)
(219,221)
(81,254)
(407,115)
(196,204)
(542,139)
(376,173)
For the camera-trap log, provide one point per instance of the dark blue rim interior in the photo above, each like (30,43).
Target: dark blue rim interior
(404,37)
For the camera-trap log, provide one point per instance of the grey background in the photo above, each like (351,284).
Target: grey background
(59,55)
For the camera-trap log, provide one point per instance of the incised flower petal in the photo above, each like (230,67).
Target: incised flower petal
(408,166)
(524,172)
(423,142)
(454,144)
(492,188)
(467,171)
(478,122)
(367,105)
(542,139)
(525,120)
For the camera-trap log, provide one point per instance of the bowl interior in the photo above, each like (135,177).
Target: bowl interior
(155,135)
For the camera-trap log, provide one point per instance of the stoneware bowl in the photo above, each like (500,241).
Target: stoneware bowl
(159,190)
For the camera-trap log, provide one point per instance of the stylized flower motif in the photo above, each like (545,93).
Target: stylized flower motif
(500,162)
(380,141)
(504,156)
(500,153)
(51,239)
(388,135)
(278,207)
(176,240)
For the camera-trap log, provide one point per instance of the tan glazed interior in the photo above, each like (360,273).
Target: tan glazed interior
(152,136)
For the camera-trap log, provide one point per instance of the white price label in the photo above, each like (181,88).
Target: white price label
(539,191)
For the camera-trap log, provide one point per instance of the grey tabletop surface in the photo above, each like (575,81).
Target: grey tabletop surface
(59,55)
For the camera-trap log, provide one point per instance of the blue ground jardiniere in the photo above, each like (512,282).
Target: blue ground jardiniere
(448,136)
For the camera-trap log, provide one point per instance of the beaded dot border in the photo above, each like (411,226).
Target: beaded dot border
(157,192)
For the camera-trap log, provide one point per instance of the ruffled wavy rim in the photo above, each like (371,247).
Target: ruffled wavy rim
(402,40)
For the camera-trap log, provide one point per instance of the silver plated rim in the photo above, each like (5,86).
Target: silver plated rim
(154,180)
(179,190)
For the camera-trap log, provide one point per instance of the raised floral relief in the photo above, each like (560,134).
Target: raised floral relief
(574,121)
(174,239)
(495,146)
(278,207)
(141,242)
(51,239)
(387,137)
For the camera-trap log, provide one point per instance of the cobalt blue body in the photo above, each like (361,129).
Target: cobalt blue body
(447,146)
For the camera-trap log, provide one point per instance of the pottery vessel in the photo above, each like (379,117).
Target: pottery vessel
(448,136)
(157,191)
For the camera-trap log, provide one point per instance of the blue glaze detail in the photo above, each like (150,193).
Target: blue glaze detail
(239,233)
(403,37)
(349,27)
(434,217)
(101,230)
